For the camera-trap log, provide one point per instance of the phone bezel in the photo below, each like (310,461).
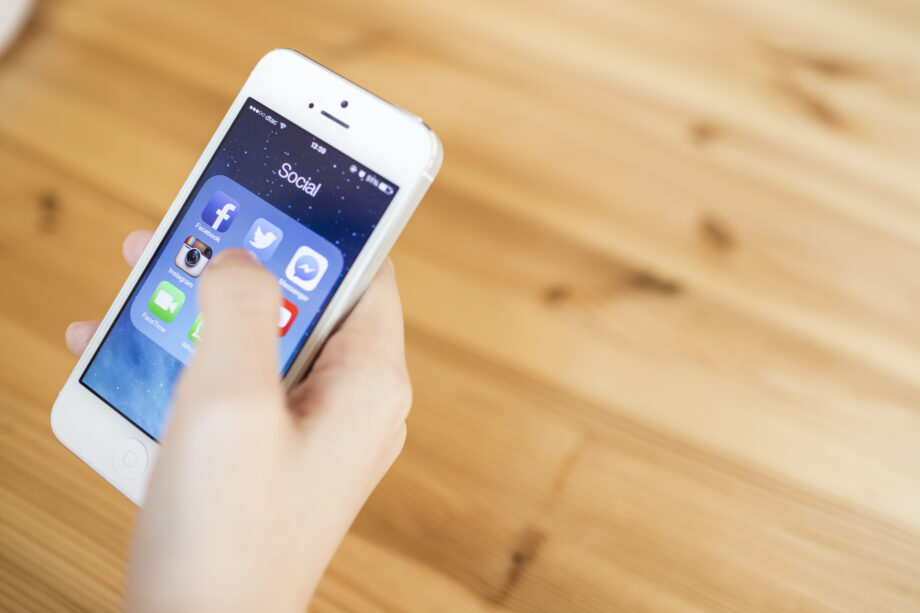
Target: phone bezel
(380,135)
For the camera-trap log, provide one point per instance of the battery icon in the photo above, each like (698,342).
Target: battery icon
(386,189)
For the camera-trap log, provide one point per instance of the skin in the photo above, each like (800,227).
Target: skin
(253,490)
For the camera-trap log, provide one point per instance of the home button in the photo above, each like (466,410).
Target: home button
(130,458)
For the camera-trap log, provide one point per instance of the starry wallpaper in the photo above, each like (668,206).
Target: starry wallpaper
(135,375)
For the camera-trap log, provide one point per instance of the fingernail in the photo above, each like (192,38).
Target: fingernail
(239,256)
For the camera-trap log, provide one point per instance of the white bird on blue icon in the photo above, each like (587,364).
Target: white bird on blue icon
(262,240)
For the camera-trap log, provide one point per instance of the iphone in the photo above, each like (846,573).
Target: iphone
(315,176)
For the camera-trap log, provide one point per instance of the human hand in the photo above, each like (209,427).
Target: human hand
(253,491)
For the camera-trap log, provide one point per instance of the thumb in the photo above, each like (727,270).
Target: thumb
(237,358)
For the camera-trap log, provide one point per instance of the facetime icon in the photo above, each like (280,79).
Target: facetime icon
(166,301)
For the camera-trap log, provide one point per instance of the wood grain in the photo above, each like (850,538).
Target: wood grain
(661,303)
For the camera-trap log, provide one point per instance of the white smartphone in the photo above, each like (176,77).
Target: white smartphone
(313,174)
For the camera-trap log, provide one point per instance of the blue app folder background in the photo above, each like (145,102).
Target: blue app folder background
(173,336)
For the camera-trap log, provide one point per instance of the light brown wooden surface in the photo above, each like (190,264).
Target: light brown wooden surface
(662,303)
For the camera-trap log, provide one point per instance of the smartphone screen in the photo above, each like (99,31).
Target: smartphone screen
(302,207)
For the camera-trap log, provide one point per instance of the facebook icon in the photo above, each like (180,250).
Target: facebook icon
(220,211)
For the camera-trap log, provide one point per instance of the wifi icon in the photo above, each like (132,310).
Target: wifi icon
(283,125)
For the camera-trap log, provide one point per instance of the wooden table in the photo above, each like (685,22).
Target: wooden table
(662,303)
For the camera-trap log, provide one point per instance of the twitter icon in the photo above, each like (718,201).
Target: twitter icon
(263,238)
